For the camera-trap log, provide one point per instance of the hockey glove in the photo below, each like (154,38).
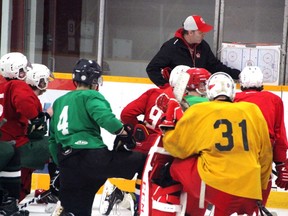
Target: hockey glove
(140,133)
(162,102)
(37,127)
(172,115)
(125,140)
(166,73)
(282,173)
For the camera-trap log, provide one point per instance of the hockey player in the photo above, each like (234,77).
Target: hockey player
(271,105)
(35,153)
(223,144)
(144,114)
(152,104)
(77,146)
(17,108)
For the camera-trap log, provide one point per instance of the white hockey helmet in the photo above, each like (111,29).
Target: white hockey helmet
(220,83)
(251,76)
(174,75)
(38,76)
(14,65)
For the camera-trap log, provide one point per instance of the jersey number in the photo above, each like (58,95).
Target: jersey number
(63,121)
(228,135)
(154,115)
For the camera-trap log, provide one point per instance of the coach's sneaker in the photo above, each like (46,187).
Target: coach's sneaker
(111,199)
(9,207)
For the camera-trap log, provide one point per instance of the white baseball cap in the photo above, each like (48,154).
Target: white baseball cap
(196,22)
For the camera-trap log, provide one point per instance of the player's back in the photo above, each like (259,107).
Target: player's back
(265,100)
(78,116)
(270,104)
(228,138)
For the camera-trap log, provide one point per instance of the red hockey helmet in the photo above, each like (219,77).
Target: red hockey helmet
(198,78)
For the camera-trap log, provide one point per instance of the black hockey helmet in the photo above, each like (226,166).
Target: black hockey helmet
(86,71)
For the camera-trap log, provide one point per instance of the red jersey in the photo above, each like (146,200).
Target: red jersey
(18,104)
(272,109)
(145,105)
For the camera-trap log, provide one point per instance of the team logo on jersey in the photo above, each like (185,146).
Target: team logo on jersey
(198,55)
(81,142)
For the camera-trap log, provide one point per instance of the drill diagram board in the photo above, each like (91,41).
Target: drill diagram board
(267,57)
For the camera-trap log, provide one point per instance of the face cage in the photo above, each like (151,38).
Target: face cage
(201,90)
(22,74)
(43,84)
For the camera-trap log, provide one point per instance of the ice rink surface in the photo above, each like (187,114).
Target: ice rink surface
(39,209)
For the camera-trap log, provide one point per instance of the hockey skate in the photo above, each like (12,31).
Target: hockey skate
(45,197)
(111,196)
(58,210)
(9,207)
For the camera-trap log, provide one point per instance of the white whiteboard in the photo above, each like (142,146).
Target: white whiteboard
(267,57)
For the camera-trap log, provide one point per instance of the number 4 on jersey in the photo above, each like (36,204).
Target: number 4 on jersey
(63,121)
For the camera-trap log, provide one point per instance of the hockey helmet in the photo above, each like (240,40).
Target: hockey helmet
(38,76)
(198,79)
(174,75)
(14,65)
(87,71)
(220,83)
(251,77)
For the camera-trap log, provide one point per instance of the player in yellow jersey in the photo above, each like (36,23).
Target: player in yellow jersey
(226,149)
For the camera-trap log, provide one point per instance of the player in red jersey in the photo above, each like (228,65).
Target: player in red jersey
(144,114)
(16,106)
(35,153)
(271,105)
(156,106)
(22,109)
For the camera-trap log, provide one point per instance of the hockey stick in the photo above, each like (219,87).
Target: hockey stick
(263,209)
(36,199)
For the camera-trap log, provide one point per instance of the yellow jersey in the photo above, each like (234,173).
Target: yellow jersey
(232,143)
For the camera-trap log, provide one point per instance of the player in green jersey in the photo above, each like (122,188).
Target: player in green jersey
(77,146)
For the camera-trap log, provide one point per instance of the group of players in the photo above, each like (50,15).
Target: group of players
(217,145)
(213,140)
(24,146)
(191,142)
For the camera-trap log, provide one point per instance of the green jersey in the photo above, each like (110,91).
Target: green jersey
(195,99)
(77,119)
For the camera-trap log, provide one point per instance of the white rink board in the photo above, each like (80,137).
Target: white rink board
(119,94)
